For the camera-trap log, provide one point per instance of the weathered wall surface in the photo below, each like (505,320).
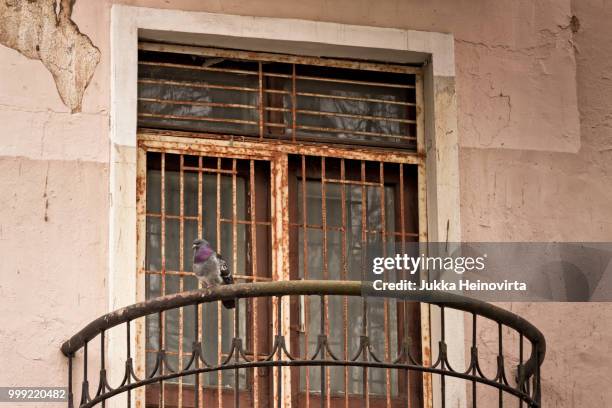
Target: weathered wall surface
(44,30)
(534,103)
(54,184)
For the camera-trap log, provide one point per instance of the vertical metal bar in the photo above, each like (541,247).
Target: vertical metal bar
(364,257)
(102,365)
(236,354)
(383,220)
(196,377)
(344,276)
(235,269)
(305,259)
(536,379)
(500,360)
(324,388)
(261,102)
(279,368)
(129,360)
(443,363)
(70,394)
(160,347)
(324,304)
(521,379)
(219,312)
(199,308)
(406,304)
(181,269)
(85,384)
(254,273)
(293,104)
(162,330)
(474,355)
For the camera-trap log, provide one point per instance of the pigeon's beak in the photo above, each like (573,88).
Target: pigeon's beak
(193,246)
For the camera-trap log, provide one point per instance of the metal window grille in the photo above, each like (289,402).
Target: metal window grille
(278,209)
(280,97)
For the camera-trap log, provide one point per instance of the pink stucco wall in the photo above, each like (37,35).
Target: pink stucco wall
(535,131)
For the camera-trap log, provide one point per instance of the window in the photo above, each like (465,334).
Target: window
(294,168)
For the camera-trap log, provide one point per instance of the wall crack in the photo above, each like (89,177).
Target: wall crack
(44,30)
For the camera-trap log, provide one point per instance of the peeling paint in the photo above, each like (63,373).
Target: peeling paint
(44,30)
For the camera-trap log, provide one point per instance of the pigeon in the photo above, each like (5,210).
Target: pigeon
(210,268)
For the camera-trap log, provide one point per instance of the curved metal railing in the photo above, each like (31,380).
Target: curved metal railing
(525,385)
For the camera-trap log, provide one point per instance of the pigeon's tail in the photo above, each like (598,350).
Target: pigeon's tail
(229,303)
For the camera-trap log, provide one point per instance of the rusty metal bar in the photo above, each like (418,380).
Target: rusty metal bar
(161,326)
(181,269)
(344,276)
(196,85)
(219,314)
(406,334)
(197,103)
(199,391)
(261,102)
(235,268)
(271,57)
(197,118)
(198,68)
(293,103)
(305,261)
(354,98)
(169,142)
(324,302)
(255,340)
(237,276)
(383,222)
(364,317)
(354,116)
(342,81)
(354,132)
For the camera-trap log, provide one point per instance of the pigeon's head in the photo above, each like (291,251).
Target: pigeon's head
(200,243)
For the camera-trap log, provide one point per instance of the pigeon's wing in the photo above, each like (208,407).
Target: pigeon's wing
(224,271)
(228,279)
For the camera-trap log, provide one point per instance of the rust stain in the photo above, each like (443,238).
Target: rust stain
(36,30)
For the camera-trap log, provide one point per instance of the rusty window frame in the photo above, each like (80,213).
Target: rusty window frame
(185,143)
(261,99)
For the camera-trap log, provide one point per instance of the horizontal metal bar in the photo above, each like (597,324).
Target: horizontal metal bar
(341,229)
(197,103)
(354,182)
(354,98)
(181,142)
(272,57)
(198,68)
(355,116)
(196,85)
(209,170)
(355,132)
(341,81)
(179,273)
(197,118)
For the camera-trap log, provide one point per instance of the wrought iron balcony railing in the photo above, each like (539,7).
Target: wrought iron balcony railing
(521,381)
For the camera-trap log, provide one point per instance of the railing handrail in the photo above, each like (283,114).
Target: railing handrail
(310,287)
